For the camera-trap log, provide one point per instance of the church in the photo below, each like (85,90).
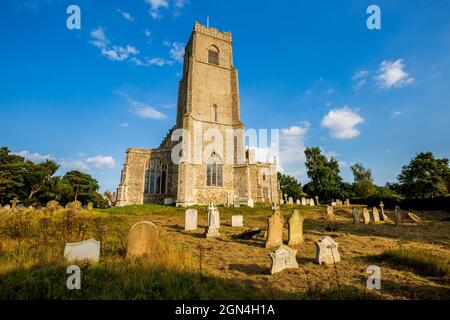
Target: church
(203,158)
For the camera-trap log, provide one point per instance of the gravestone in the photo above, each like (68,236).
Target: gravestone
(75,205)
(142,239)
(327,251)
(250,203)
(383,216)
(236,202)
(329,214)
(333,204)
(347,202)
(311,202)
(295,223)
(286,198)
(376,215)
(366,216)
(237,221)
(414,217)
(307,202)
(213,222)
(84,250)
(283,258)
(356,216)
(303,202)
(190,220)
(297,202)
(398,216)
(7,207)
(275,230)
(90,206)
(168,201)
(317,200)
(291,200)
(281,201)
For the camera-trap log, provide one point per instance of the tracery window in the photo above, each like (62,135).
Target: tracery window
(156,177)
(214,171)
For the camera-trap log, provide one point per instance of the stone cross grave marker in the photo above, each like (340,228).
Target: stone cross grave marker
(327,251)
(213,222)
(283,258)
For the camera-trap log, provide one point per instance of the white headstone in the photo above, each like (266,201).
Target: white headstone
(333,204)
(298,202)
(303,202)
(7,207)
(366,216)
(237,221)
(85,250)
(291,200)
(311,202)
(307,202)
(283,258)
(250,203)
(190,219)
(327,251)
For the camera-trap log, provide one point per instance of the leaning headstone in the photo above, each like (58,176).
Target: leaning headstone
(366,216)
(303,202)
(142,239)
(414,217)
(347,202)
(295,234)
(250,203)
(236,202)
(237,221)
(75,205)
(330,214)
(275,230)
(90,206)
(376,215)
(85,250)
(327,251)
(398,218)
(248,234)
(311,202)
(190,220)
(213,222)
(356,216)
(291,200)
(297,202)
(283,258)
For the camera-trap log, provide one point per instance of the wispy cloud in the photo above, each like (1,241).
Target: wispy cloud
(342,123)
(126,15)
(141,109)
(176,50)
(112,52)
(396,114)
(101,162)
(391,74)
(360,78)
(156,6)
(35,157)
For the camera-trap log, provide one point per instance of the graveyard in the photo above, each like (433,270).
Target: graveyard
(213,260)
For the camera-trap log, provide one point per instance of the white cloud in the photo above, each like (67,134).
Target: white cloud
(176,50)
(102,162)
(395,114)
(159,62)
(112,52)
(391,74)
(126,15)
(74,164)
(179,4)
(35,157)
(141,109)
(155,6)
(342,122)
(148,34)
(360,78)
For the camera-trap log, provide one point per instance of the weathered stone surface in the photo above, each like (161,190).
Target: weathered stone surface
(307,202)
(237,221)
(366,216)
(84,250)
(376,215)
(275,230)
(398,216)
(356,216)
(190,220)
(236,202)
(295,223)
(297,202)
(333,204)
(213,222)
(414,217)
(90,206)
(283,258)
(250,203)
(142,239)
(303,202)
(330,213)
(327,251)
(291,200)
(317,200)
(347,202)
(311,202)
(75,205)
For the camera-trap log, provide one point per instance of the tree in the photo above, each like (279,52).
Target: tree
(75,185)
(323,173)
(38,175)
(290,186)
(425,176)
(12,173)
(363,184)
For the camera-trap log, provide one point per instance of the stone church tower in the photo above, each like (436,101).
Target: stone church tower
(203,157)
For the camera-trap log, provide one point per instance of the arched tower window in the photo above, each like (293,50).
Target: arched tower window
(214,171)
(213,55)
(214,113)
(156,177)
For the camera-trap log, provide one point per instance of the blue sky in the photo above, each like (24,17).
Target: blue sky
(309,68)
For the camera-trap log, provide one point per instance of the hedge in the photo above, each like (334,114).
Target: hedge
(438,203)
